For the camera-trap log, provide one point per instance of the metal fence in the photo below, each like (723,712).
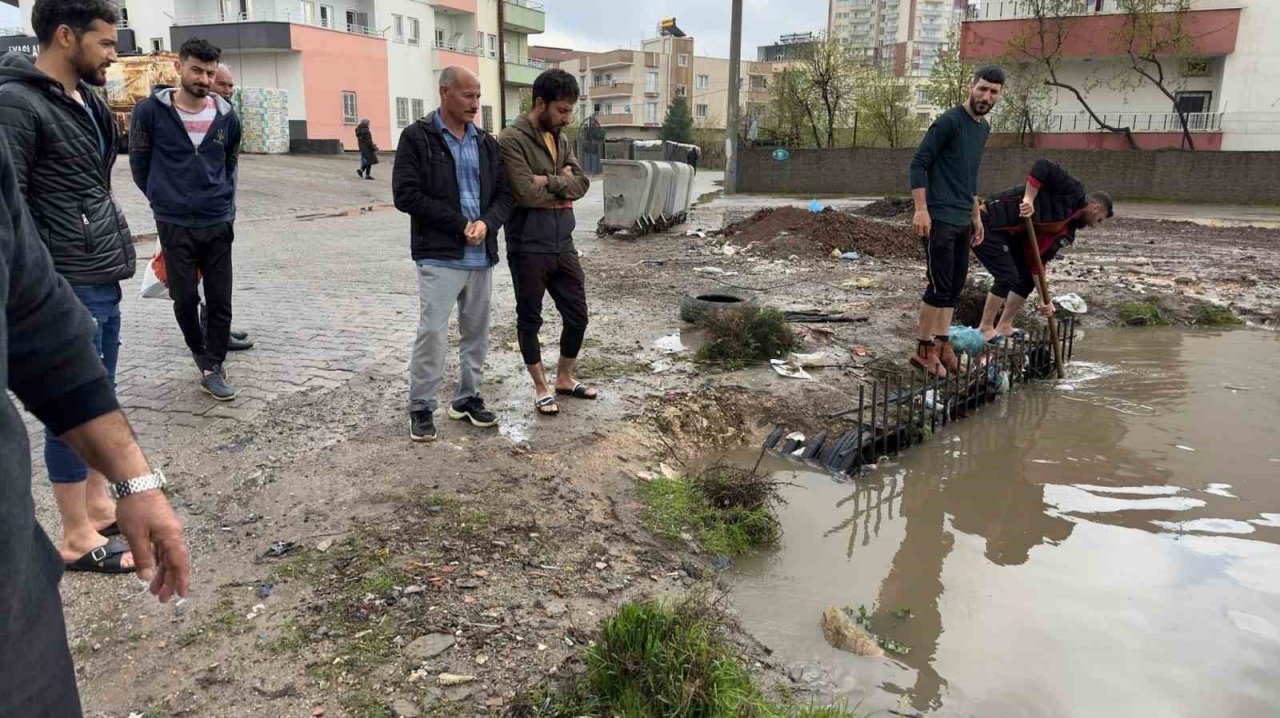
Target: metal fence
(1136,121)
(297,17)
(1012,9)
(895,410)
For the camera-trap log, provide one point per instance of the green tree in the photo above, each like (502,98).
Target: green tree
(950,76)
(884,105)
(678,125)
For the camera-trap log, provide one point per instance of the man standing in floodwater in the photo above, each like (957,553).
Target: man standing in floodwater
(944,188)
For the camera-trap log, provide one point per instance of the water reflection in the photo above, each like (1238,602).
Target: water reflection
(1018,481)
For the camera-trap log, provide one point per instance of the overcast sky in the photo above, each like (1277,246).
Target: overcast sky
(581,24)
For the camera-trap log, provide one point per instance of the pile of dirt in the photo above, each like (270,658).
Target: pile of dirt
(887,208)
(780,232)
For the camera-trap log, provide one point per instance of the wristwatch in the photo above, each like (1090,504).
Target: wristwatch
(138,484)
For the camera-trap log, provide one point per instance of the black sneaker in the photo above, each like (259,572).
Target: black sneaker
(472,409)
(422,425)
(242,336)
(235,344)
(215,385)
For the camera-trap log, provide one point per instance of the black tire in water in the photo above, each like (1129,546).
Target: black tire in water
(696,304)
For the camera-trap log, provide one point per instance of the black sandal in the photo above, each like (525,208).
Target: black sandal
(112,530)
(544,405)
(579,391)
(104,559)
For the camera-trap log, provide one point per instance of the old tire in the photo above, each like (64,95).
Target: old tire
(695,305)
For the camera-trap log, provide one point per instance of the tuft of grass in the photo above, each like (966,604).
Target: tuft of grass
(727,510)
(655,660)
(1214,316)
(1142,314)
(741,336)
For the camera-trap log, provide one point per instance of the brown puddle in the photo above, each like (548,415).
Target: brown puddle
(1107,547)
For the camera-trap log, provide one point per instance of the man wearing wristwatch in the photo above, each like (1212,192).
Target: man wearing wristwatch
(48,360)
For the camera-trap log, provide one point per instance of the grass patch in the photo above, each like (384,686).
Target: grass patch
(655,660)
(1142,314)
(1212,315)
(741,336)
(725,509)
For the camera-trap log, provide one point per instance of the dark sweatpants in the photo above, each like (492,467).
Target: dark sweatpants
(1001,254)
(189,253)
(947,258)
(535,275)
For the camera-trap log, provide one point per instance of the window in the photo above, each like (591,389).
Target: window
(414,30)
(418,109)
(1193,101)
(402,112)
(682,60)
(397,28)
(703,82)
(626,109)
(308,12)
(651,82)
(479,48)
(439,37)
(608,108)
(486,114)
(493,46)
(759,82)
(702,110)
(681,90)
(597,108)
(326,16)
(922,97)
(157,44)
(350,113)
(651,113)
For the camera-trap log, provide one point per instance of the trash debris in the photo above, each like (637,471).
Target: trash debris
(670,344)
(264,591)
(842,632)
(324,545)
(789,370)
(821,317)
(654,263)
(255,612)
(644,476)
(453,679)
(860,350)
(669,473)
(280,548)
(318,712)
(1072,303)
(696,233)
(861,283)
(709,270)
(728,250)
(966,340)
(1184,448)
(815,206)
(850,256)
(807,360)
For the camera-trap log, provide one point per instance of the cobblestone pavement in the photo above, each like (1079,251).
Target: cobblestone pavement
(324,297)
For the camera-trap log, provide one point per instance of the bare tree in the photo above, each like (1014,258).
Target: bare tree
(1042,44)
(791,108)
(830,68)
(884,103)
(1154,33)
(1025,103)
(950,76)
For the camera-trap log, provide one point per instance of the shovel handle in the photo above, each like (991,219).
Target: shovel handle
(1042,282)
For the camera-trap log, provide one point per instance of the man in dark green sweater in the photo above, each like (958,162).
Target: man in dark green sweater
(944,186)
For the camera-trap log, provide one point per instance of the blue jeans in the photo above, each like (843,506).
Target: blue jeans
(103,302)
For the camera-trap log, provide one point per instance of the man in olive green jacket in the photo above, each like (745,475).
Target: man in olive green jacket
(546,179)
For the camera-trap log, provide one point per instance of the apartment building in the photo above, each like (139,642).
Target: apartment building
(903,36)
(344,60)
(1229,84)
(629,91)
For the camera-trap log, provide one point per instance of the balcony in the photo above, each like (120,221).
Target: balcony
(1135,121)
(616,58)
(525,16)
(999,30)
(612,89)
(523,71)
(451,7)
(449,53)
(615,120)
(296,17)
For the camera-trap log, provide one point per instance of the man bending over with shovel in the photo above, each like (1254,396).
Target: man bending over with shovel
(1060,205)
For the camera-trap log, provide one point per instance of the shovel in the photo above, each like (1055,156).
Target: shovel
(1037,267)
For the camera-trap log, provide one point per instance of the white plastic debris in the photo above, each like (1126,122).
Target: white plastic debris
(788,369)
(1072,303)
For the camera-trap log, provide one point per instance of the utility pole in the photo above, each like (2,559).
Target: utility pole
(731,113)
(502,68)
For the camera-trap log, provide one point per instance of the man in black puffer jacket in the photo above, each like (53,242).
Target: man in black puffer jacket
(1060,205)
(62,138)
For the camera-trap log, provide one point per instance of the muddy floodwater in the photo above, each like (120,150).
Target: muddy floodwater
(1109,546)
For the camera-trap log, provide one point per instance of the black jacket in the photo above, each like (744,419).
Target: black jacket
(364,140)
(64,174)
(425,186)
(1059,208)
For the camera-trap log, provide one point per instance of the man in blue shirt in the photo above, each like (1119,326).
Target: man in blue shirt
(448,177)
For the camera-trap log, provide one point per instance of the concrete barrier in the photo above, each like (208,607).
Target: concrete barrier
(1226,177)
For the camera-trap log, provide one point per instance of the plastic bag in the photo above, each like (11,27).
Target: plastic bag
(155,280)
(966,340)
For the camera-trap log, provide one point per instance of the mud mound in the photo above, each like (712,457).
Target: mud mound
(781,232)
(887,208)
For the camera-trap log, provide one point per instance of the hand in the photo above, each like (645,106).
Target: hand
(922,223)
(155,537)
(1026,207)
(540,181)
(477,232)
(567,172)
(1048,309)
(979,233)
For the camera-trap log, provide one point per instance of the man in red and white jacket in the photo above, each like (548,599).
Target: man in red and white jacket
(1059,205)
